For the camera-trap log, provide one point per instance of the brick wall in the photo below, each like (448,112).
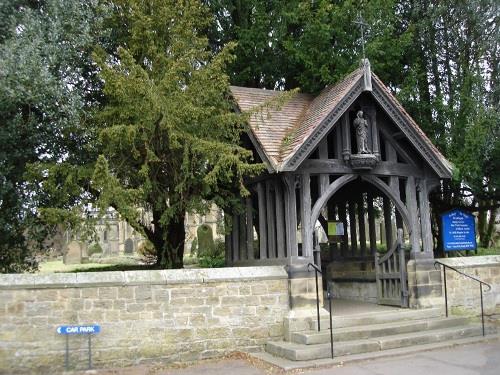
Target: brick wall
(169,315)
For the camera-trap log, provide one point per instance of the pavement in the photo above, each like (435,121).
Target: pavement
(474,359)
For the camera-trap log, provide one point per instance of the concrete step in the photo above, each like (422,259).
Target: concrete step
(375,330)
(301,352)
(378,317)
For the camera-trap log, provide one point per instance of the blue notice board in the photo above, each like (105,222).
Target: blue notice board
(459,231)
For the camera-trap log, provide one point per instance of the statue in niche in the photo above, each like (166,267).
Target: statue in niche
(361,126)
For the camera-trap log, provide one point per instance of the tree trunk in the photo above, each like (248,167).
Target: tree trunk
(171,251)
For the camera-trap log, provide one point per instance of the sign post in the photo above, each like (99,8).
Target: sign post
(458,230)
(335,231)
(78,330)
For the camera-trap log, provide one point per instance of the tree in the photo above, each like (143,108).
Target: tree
(168,131)
(46,82)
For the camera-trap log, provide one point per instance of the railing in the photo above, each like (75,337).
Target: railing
(316,271)
(481,283)
(329,295)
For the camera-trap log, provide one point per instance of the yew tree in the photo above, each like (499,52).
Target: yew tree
(168,132)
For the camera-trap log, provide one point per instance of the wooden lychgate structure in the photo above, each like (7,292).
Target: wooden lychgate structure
(350,154)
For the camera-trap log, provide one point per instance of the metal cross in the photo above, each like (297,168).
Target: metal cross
(361,22)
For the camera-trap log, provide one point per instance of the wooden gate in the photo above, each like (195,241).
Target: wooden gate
(391,276)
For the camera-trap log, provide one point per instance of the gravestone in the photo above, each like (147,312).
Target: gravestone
(129,246)
(73,253)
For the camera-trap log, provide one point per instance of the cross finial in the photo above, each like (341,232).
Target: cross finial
(362,24)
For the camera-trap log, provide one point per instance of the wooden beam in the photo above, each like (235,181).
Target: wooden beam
(249,229)
(346,136)
(372,113)
(235,239)
(305,203)
(261,195)
(243,237)
(352,225)
(343,218)
(361,225)
(291,215)
(334,166)
(386,203)
(425,217)
(271,228)
(371,223)
(338,142)
(406,157)
(280,221)
(411,204)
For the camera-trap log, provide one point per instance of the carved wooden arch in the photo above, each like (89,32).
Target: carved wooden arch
(400,206)
(330,190)
(338,183)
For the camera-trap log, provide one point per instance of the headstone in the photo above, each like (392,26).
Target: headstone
(73,253)
(205,237)
(129,246)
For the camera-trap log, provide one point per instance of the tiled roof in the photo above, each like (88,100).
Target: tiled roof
(319,108)
(270,125)
(280,132)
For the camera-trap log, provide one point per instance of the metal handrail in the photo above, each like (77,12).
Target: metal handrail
(481,283)
(329,296)
(316,269)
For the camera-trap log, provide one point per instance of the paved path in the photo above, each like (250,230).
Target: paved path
(475,359)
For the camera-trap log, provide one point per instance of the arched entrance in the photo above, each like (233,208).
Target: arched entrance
(367,261)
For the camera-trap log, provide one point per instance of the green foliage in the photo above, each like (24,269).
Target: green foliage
(206,245)
(46,82)
(169,133)
(215,259)
(94,249)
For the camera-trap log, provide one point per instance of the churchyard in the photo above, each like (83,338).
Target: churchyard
(301,184)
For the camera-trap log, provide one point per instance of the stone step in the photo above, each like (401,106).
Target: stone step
(301,352)
(378,317)
(375,330)
(288,365)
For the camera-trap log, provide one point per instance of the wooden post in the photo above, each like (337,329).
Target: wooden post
(372,114)
(371,224)
(242,225)
(361,225)
(291,215)
(425,217)
(227,241)
(352,224)
(305,202)
(280,221)
(249,229)
(411,205)
(271,228)
(332,215)
(261,195)
(346,137)
(343,218)
(387,221)
(236,239)
(338,143)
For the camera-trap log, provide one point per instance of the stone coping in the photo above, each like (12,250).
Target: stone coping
(150,277)
(474,261)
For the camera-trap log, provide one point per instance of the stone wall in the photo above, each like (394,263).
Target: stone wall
(463,293)
(168,315)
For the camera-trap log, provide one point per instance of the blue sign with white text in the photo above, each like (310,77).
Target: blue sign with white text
(459,231)
(78,330)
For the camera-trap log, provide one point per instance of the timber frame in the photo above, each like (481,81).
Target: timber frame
(309,147)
